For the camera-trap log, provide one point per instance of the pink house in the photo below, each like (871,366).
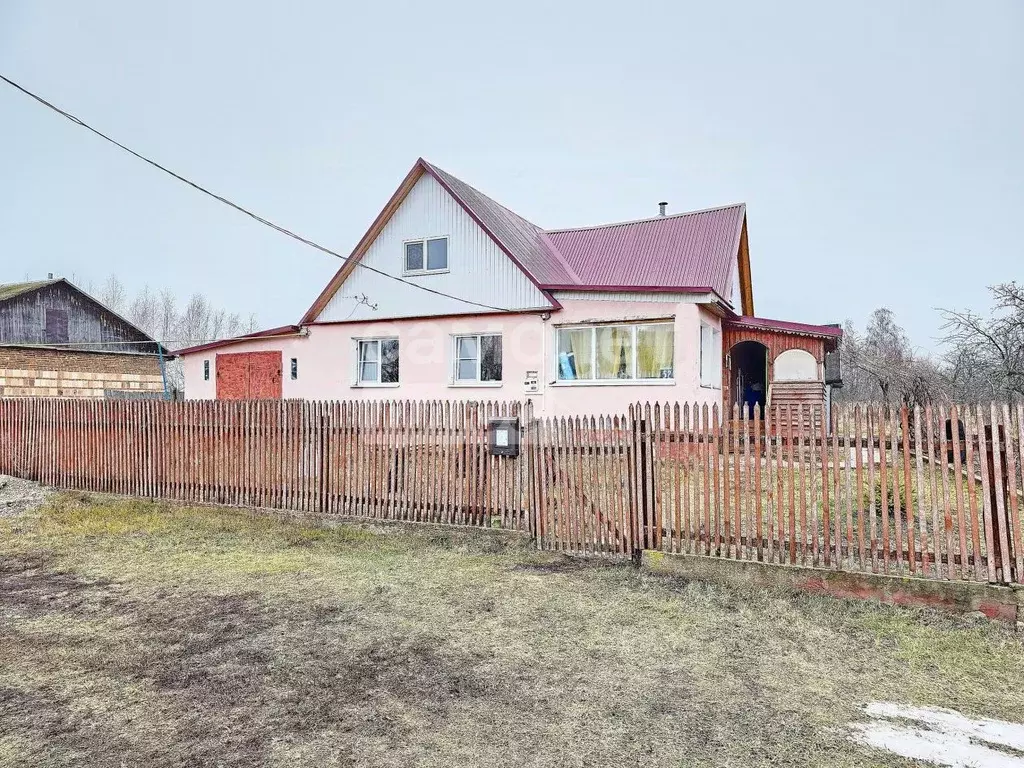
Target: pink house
(451,295)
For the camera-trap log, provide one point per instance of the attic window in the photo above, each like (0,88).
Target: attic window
(426,256)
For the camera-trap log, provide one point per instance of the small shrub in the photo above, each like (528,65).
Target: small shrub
(890,499)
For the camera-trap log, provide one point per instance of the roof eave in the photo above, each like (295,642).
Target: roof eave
(788,327)
(270,333)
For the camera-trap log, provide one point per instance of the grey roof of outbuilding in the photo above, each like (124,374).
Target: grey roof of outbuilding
(10,290)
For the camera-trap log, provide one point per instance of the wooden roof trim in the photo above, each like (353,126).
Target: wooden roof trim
(743,261)
(364,244)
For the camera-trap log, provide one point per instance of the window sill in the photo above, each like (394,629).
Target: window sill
(474,384)
(371,385)
(425,272)
(711,386)
(613,383)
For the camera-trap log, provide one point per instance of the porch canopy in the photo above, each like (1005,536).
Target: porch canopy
(774,361)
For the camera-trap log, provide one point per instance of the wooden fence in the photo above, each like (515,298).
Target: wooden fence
(421,462)
(932,492)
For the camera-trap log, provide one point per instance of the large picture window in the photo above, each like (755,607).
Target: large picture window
(477,358)
(616,352)
(377,361)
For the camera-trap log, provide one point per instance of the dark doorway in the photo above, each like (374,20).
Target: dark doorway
(749,376)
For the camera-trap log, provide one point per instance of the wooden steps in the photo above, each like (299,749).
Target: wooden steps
(805,400)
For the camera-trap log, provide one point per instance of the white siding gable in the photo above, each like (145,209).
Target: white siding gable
(478,269)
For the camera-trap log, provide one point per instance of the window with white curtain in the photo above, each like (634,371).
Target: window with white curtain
(616,352)
(710,356)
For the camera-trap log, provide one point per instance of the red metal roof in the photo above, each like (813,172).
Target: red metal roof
(694,251)
(691,251)
(802,329)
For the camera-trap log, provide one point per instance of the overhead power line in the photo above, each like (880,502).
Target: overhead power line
(236,206)
(88,344)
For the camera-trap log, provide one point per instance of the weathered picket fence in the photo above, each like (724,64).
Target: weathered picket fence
(933,492)
(421,462)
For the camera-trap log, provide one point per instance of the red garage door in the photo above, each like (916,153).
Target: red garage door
(249,376)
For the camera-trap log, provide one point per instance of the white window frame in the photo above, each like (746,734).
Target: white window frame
(423,241)
(595,382)
(455,380)
(357,381)
(714,381)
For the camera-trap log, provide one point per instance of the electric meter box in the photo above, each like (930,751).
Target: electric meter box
(503,437)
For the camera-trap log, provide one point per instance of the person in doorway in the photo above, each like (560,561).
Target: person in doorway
(753,397)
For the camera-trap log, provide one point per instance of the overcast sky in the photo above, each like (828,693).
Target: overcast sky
(878,145)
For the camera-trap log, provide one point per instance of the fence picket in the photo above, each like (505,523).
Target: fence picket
(1013,509)
(956,447)
(826,519)
(897,497)
(947,524)
(997,486)
(1018,512)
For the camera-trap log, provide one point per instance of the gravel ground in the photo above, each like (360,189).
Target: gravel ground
(19,496)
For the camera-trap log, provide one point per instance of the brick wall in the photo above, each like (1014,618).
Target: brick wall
(34,372)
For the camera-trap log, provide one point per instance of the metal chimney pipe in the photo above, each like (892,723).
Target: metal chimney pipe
(49,275)
(661,208)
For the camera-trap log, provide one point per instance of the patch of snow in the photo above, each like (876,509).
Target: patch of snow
(941,736)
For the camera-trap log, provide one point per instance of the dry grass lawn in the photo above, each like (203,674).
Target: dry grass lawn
(149,635)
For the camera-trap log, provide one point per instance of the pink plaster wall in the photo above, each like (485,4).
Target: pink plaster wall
(326,360)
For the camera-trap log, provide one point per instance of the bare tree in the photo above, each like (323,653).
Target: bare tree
(194,323)
(881,365)
(986,354)
(168,316)
(113,293)
(157,314)
(144,310)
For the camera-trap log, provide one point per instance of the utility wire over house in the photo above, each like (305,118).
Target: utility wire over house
(231,204)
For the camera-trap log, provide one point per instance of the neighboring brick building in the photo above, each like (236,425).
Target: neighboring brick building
(57,341)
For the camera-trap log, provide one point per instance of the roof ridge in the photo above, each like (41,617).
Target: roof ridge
(644,221)
(483,194)
(537,232)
